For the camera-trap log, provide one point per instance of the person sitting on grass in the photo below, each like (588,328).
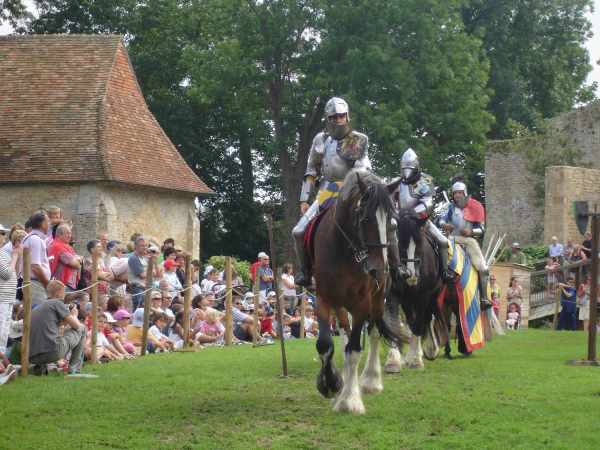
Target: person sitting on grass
(211,328)
(163,343)
(46,345)
(177,333)
(266,324)
(135,329)
(114,337)
(122,318)
(244,330)
(105,351)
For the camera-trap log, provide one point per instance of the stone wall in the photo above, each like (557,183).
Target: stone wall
(118,209)
(565,185)
(511,203)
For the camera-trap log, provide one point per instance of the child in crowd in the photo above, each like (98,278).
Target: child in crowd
(122,318)
(212,328)
(266,323)
(104,350)
(513,316)
(134,331)
(163,343)
(114,337)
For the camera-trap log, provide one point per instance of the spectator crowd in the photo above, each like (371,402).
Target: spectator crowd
(61,279)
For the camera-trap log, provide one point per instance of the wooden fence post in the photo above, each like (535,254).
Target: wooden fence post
(228,302)
(27,311)
(556,308)
(187,301)
(302,313)
(94,298)
(147,296)
(256,298)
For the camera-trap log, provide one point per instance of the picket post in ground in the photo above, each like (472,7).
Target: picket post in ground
(147,296)
(302,313)
(26,312)
(187,301)
(94,299)
(228,302)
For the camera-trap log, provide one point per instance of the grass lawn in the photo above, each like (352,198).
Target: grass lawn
(517,392)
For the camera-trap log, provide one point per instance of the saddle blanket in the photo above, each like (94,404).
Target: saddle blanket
(468,296)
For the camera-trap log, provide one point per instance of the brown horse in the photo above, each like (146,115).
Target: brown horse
(350,268)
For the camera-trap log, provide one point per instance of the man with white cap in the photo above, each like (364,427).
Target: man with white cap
(465,221)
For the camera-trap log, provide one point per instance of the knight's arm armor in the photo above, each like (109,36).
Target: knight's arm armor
(424,193)
(364,162)
(313,166)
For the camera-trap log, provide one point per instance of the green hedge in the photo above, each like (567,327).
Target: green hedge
(241,267)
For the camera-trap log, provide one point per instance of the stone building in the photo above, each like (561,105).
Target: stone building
(513,204)
(75,132)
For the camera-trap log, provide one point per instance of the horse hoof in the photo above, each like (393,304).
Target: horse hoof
(416,365)
(352,404)
(392,368)
(329,388)
(370,387)
(449,356)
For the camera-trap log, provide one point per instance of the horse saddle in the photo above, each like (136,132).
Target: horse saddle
(311,229)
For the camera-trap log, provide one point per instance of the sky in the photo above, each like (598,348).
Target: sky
(593,44)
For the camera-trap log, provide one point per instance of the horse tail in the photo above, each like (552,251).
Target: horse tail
(400,335)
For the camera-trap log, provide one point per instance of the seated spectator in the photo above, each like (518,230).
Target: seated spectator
(513,316)
(266,324)
(244,330)
(555,250)
(122,318)
(170,275)
(163,343)
(177,332)
(105,351)
(65,263)
(114,336)
(135,330)
(211,329)
(46,345)
(311,326)
(236,310)
(39,263)
(568,301)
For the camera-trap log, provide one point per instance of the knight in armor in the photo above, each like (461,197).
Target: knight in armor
(334,153)
(465,222)
(416,190)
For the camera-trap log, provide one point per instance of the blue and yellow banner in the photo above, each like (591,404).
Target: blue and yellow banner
(468,296)
(328,193)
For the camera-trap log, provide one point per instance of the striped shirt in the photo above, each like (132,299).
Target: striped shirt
(8,278)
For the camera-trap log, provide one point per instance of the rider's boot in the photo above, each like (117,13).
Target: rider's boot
(483,282)
(446,274)
(303,276)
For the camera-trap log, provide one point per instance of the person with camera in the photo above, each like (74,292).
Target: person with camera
(47,345)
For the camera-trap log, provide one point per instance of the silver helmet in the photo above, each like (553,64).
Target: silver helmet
(409,165)
(459,186)
(333,107)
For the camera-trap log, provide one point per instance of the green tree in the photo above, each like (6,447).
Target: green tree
(537,54)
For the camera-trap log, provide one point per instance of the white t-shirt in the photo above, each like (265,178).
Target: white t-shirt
(101,340)
(287,278)
(155,331)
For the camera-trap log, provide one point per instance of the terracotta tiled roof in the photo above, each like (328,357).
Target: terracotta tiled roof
(71,110)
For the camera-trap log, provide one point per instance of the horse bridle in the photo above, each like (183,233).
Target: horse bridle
(360,252)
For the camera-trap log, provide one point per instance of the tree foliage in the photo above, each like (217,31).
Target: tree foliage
(240,85)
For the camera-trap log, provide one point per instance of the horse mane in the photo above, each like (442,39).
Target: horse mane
(378,195)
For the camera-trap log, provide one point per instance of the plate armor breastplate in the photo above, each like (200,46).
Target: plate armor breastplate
(458,221)
(406,196)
